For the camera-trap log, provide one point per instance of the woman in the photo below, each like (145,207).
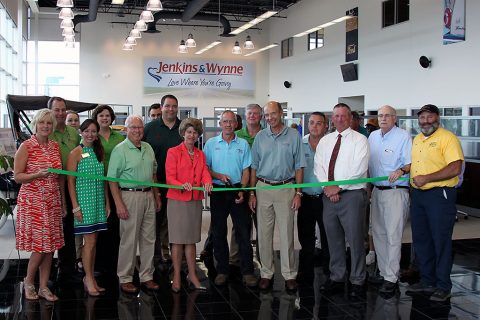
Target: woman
(89,198)
(108,242)
(186,167)
(73,119)
(40,203)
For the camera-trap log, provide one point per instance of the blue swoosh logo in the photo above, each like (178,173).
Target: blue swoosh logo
(153,75)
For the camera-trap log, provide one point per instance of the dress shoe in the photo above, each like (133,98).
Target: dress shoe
(356,291)
(331,286)
(221,279)
(291,285)
(265,283)
(128,287)
(197,288)
(419,288)
(250,280)
(440,295)
(388,287)
(150,285)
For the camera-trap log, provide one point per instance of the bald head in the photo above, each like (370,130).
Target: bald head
(273,115)
(387,117)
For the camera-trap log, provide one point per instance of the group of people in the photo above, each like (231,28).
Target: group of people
(114,218)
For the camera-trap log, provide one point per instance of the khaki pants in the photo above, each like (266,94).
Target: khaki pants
(275,206)
(137,230)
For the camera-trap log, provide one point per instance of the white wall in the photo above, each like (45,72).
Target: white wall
(100,54)
(388,68)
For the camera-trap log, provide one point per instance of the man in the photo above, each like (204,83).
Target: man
(355,124)
(343,155)
(229,159)
(162,135)
(372,125)
(277,159)
(311,211)
(155,111)
(136,205)
(390,155)
(437,159)
(68,139)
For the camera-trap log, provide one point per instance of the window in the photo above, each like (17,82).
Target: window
(395,11)
(287,48)
(315,39)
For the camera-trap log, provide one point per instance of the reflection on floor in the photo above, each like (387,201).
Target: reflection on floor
(234,301)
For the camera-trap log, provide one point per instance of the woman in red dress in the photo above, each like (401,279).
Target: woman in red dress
(40,203)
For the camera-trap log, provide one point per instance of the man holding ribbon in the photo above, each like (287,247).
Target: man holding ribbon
(390,155)
(136,205)
(277,159)
(343,155)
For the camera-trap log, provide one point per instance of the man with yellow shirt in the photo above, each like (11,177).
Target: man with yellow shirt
(436,163)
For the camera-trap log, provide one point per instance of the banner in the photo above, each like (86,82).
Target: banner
(453,21)
(194,77)
(351,37)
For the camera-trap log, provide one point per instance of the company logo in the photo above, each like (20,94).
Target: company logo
(154,75)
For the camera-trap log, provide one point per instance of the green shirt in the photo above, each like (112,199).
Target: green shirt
(115,138)
(68,140)
(162,138)
(130,163)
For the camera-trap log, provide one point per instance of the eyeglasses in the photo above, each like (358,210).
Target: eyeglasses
(135,128)
(380,116)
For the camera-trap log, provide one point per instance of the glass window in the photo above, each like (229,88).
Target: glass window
(395,11)
(315,39)
(287,48)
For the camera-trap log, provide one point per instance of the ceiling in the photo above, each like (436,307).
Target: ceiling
(233,10)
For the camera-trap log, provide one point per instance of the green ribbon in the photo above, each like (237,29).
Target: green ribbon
(283,186)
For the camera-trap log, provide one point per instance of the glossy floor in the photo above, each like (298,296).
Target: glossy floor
(234,301)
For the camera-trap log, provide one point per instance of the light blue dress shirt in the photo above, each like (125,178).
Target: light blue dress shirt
(228,158)
(308,174)
(276,157)
(388,153)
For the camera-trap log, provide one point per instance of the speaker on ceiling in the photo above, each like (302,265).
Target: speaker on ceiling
(424,62)
(287,84)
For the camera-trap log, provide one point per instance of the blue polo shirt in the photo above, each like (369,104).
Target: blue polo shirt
(276,157)
(308,174)
(228,158)
(388,153)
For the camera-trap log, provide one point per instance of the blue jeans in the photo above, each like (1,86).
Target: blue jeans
(223,204)
(432,214)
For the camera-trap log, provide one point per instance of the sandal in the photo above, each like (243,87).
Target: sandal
(30,292)
(46,294)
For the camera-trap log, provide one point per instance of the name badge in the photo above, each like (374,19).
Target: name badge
(85,155)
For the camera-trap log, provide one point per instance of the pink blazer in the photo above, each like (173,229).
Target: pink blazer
(180,169)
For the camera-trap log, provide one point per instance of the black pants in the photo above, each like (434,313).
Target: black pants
(309,214)
(108,243)
(223,204)
(67,254)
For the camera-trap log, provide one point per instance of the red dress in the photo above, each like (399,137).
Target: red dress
(39,206)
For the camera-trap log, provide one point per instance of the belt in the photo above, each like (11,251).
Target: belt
(137,189)
(236,185)
(313,196)
(276,183)
(392,187)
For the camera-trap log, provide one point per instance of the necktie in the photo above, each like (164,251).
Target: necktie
(333,158)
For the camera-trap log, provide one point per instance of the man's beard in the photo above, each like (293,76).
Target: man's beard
(429,131)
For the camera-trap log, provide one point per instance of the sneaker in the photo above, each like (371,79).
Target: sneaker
(250,280)
(221,279)
(420,288)
(388,287)
(370,258)
(440,295)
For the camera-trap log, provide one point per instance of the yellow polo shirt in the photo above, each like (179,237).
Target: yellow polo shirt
(433,153)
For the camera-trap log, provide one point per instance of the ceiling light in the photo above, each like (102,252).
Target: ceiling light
(146,16)
(119,2)
(248,45)
(190,43)
(66,23)
(210,46)
(127,47)
(68,32)
(262,49)
(255,21)
(65,3)
(135,34)
(69,45)
(236,48)
(140,25)
(66,13)
(154,5)
(322,26)
(182,48)
(131,41)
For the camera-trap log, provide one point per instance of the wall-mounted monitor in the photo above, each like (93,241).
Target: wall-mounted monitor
(349,72)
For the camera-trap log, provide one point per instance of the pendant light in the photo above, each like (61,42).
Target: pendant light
(190,43)
(236,48)
(248,45)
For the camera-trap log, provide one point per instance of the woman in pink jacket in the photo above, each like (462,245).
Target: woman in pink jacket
(186,166)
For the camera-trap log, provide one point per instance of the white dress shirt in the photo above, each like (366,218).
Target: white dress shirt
(352,160)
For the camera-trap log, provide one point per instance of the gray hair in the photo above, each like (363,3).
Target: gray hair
(253,106)
(131,117)
(42,114)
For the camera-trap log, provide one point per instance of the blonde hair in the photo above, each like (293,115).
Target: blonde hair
(42,114)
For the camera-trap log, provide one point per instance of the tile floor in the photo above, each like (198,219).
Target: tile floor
(234,301)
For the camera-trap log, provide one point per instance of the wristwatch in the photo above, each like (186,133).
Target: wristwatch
(298,193)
